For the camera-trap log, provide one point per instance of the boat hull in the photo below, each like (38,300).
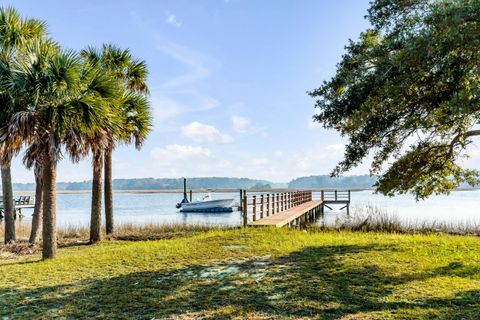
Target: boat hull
(221,205)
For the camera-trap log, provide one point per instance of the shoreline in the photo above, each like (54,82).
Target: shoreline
(147,191)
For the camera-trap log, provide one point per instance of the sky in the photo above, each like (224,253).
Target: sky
(228,82)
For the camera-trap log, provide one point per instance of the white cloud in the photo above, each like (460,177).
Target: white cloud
(176,152)
(204,133)
(241,124)
(172,19)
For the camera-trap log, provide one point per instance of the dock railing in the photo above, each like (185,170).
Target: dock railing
(266,204)
(261,205)
(335,196)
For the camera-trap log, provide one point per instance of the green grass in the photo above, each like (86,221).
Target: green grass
(251,273)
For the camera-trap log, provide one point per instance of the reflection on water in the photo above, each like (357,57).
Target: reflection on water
(159,208)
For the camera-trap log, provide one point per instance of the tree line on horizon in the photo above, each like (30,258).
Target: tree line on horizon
(59,103)
(319,181)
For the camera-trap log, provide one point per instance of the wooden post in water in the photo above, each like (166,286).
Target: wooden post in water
(261,206)
(240,201)
(281,201)
(278,202)
(273,203)
(348,204)
(190,195)
(254,206)
(185,188)
(268,204)
(245,211)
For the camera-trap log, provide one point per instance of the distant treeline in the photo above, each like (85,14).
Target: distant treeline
(160,184)
(327,182)
(324,181)
(312,182)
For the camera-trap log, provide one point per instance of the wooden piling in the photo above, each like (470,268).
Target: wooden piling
(261,206)
(268,205)
(278,202)
(241,197)
(281,201)
(245,211)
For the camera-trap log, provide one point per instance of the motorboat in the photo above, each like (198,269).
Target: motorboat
(206,204)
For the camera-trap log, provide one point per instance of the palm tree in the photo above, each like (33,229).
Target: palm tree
(133,109)
(99,139)
(38,209)
(69,102)
(15,33)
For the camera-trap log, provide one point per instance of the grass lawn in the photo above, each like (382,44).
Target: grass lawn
(252,274)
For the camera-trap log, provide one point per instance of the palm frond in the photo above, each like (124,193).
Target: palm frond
(137,74)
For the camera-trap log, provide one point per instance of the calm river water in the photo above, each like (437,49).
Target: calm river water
(159,208)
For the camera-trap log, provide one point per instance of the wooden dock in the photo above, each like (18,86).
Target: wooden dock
(296,208)
(22,202)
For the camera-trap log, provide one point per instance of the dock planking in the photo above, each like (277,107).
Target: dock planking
(288,216)
(292,208)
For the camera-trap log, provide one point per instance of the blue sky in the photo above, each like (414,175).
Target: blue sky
(228,81)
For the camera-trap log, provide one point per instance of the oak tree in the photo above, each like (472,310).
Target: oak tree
(407,93)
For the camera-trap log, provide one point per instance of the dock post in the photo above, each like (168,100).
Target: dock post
(348,205)
(190,195)
(273,204)
(185,188)
(261,206)
(268,204)
(281,201)
(240,201)
(245,211)
(278,202)
(254,208)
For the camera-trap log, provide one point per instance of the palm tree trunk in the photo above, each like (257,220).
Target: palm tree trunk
(49,233)
(108,193)
(8,207)
(38,210)
(96,214)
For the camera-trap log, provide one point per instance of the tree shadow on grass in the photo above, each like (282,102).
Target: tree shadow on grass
(314,282)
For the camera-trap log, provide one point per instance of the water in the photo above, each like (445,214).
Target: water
(159,208)
(460,207)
